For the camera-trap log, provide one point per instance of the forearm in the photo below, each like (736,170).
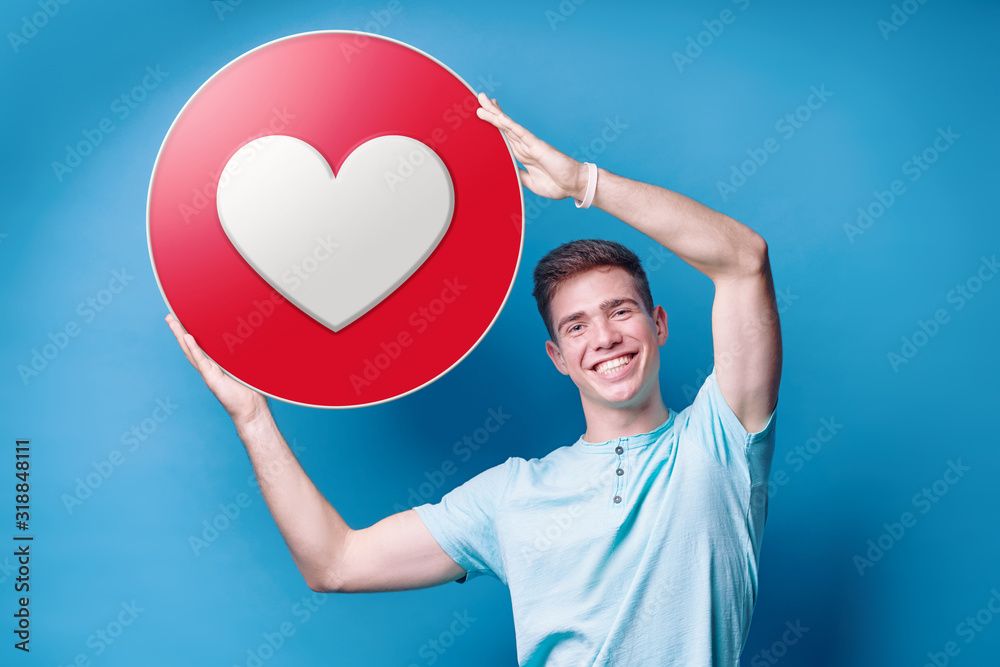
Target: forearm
(313,530)
(710,241)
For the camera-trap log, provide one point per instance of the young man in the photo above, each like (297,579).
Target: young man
(636,545)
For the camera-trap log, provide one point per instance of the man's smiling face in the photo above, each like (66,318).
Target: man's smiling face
(608,344)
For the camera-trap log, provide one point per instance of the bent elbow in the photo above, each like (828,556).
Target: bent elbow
(753,255)
(317,587)
(324,583)
(321,587)
(328,574)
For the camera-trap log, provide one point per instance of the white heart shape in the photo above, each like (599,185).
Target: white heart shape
(335,245)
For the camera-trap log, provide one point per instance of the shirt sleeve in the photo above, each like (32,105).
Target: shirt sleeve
(464,522)
(718,429)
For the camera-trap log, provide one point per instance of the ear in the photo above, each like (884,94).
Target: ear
(660,319)
(556,356)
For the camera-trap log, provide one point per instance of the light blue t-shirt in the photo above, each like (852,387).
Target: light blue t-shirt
(667,575)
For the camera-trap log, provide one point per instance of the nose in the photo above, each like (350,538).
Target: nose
(605,334)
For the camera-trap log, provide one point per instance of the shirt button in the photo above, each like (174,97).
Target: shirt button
(620,472)
(618,499)
(618,449)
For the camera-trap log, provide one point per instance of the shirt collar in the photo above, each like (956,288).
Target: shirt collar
(628,441)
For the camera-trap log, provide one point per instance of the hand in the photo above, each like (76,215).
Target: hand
(548,172)
(243,404)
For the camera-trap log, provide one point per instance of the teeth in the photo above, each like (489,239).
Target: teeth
(613,365)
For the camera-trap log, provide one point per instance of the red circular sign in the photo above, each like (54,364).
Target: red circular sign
(335,91)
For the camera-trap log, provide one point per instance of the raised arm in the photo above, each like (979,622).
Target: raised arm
(397,553)
(745,329)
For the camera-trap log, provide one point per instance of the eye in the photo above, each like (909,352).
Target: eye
(573,328)
(622,310)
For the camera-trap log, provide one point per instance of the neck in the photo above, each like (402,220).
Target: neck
(605,422)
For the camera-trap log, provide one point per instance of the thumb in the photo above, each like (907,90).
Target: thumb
(524,177)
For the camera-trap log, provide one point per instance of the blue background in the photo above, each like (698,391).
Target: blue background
(847,303)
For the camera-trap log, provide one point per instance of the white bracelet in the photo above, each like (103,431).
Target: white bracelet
(588,199)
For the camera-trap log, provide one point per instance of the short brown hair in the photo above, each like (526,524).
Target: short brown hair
(575,257)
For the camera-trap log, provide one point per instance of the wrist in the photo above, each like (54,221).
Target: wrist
(587,197)
(255,421)
(582,178)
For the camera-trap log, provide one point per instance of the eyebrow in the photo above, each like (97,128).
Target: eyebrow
(607,304)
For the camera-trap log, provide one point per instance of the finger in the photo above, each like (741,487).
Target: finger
(523,176)
(514,132)
(210,371)
(485,104)
(512,128)
(186,340)
(484,114)
(489,117)
(490,109)
(491,106)
(203,362)
(516,135)
(521,153)
(501,123)
(485,101)
(179,334)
